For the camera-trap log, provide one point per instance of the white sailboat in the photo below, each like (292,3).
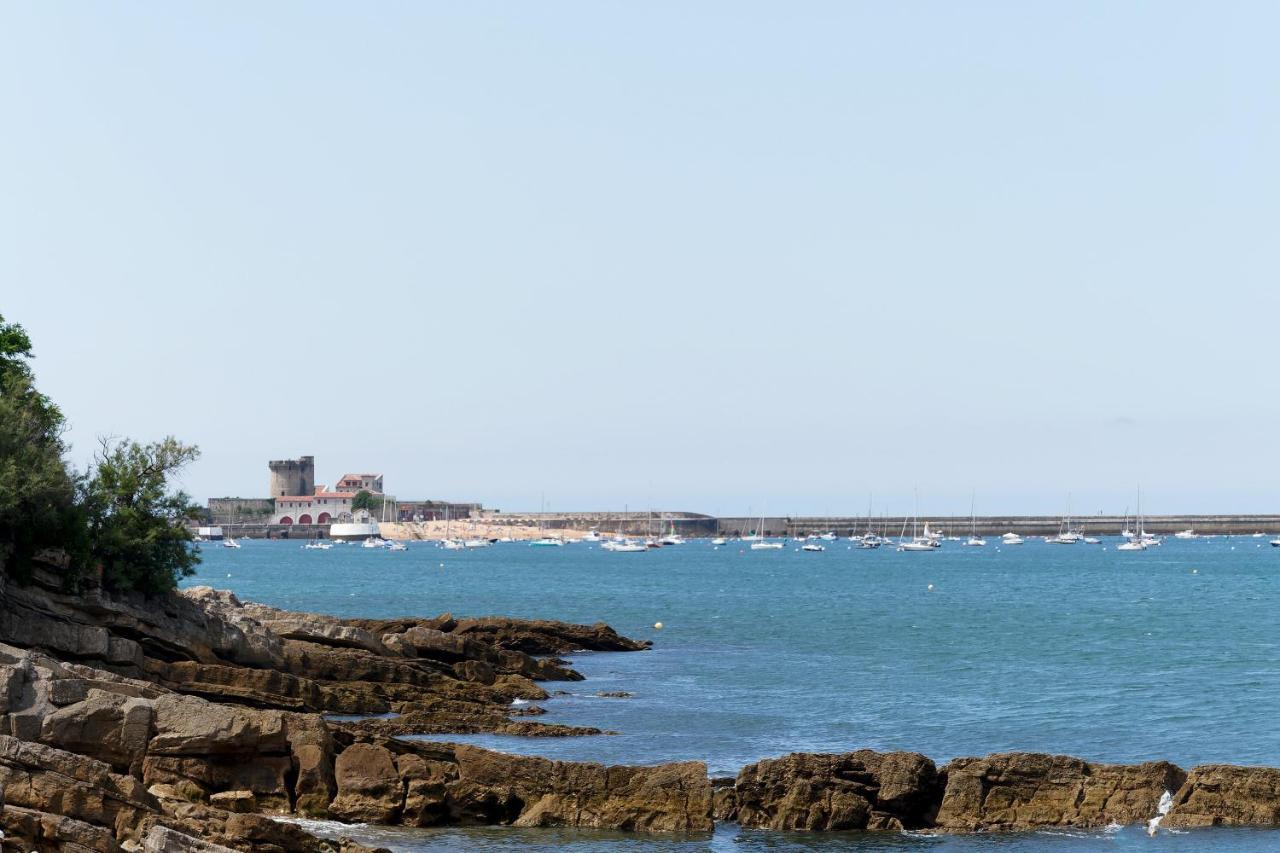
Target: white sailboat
(1066,535)
(1137,541)
(761,543)
(974,541)
(917,543)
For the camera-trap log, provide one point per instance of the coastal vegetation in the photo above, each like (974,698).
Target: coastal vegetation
(364,500)
(119,519)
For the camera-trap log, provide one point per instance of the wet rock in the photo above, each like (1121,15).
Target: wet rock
(1016,791)
(1227,795)
(855,790)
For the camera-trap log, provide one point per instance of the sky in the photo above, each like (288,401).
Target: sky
(724,257)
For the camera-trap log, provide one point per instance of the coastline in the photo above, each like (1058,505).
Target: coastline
(202,715)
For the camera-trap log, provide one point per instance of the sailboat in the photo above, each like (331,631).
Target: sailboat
(761,543)
(1137,541)
(448,542)
(974,540)
(917,543)
(869,539)
(1066,536)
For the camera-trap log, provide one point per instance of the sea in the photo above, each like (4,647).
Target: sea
(1169,653)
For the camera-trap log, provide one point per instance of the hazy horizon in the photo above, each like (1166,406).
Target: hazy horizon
(717,258)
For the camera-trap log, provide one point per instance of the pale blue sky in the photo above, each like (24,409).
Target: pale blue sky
(700,256)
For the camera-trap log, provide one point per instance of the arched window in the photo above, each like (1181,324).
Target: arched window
(304,519)
(286,520)
(324,518)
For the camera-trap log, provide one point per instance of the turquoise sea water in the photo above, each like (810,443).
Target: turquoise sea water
(1106,655)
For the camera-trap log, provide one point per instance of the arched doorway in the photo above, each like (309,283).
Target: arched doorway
(324,518)
(286,520)
(304,519)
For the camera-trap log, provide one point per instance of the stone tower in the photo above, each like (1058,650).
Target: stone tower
(293,476)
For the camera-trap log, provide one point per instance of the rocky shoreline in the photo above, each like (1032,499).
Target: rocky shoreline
(190,721)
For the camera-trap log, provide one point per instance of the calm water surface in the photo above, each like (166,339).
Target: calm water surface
(1080,649)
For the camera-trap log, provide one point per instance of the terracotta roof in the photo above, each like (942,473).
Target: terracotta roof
(313,497)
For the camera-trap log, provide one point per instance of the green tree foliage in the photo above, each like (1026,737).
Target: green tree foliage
(135,523)
(120,517)
(366,500)
(38,507)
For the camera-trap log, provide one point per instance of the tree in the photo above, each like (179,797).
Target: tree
(38,507)
(365,500)
(135,523)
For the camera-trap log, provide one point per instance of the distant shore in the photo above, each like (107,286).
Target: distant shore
(523,526)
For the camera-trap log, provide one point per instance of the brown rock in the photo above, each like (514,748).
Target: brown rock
(311,750)
(369,788)
(492,786)
(1016,791)
(162,839)
(426,789)
(234,801)
(855,790)
(186,725)
(1227,795)
(107,726)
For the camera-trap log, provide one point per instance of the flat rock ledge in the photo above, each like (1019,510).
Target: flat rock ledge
(192,721)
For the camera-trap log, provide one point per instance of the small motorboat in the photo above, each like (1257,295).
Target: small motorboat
(1132,545)
(476,543)
(627,546)
(976,542)
(393,545)
(1011,539)
(230,543)
(812,546)
(1186,534)
(766,545)
(719,540)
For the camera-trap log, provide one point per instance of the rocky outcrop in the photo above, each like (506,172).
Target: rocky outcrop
(818,793)
(1023,790)
(1227,795)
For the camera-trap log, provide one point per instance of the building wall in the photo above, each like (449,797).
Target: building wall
(360,482)
(320,509)
(239,510)
(434,510)
(293,476)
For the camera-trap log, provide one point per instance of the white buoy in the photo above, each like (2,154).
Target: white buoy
(657,625)
(228,574)
(1195,571)
(930,587)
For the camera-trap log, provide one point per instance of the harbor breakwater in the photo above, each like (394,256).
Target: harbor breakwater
(691,524)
